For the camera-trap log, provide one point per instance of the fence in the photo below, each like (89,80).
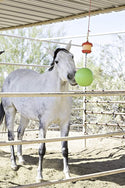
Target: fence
(86,112)
(65,138)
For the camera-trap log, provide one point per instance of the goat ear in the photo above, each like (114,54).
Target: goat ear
(69,45)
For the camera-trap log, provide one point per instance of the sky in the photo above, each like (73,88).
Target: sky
(102,23)
(98,24)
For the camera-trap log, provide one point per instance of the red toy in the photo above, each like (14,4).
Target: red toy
(86,47)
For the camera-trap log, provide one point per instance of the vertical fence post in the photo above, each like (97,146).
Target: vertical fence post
(84,119)
(84,108)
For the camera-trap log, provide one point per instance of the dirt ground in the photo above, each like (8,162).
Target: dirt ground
(100,155)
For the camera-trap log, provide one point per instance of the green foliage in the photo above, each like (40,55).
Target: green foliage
(26,51)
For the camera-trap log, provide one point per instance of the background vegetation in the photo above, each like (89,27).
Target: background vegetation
(107,63)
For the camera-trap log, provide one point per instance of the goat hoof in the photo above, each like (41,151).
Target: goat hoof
(67,176)
(22,162)
(14,167)
(39,179)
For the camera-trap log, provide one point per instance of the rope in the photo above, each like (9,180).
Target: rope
(89,20)
(88,31)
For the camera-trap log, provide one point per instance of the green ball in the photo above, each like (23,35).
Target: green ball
(84,77)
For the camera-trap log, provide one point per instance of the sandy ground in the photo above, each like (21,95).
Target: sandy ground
(100,155)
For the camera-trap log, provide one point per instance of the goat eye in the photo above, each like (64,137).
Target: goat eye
(72,57)
(56,62)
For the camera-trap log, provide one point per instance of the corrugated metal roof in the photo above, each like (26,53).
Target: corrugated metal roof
(22,13)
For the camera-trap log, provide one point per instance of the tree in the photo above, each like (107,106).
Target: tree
(27,51)
(108,67)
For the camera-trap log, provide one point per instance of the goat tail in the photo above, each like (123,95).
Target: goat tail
(2,113)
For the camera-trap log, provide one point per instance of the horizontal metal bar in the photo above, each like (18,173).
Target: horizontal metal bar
(73,179)
(49,128)
(48,140)
(76,109)
(38,39)
(62,94)
(89,101)
(27,130)
(104,113)
(69,37)
(105,124)
(26,65)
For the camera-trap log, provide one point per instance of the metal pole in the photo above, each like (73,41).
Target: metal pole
(84,109)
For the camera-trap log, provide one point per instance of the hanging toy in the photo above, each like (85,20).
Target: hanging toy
(86,47)
(84,76)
